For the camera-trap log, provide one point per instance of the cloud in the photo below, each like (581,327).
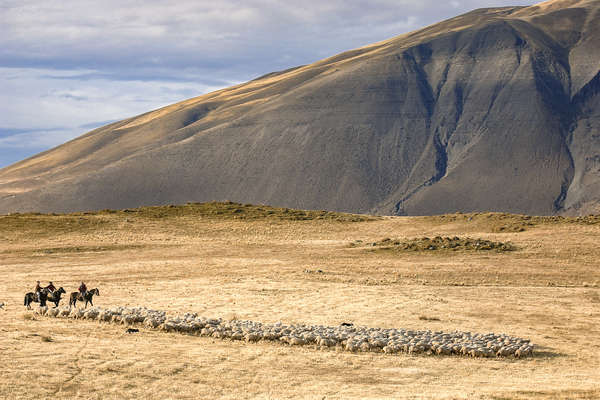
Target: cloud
(71,63)
(37,138)
(227,36)
(97,124)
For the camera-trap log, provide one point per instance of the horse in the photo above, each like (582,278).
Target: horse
(55,297)
(32,297)
(75,296)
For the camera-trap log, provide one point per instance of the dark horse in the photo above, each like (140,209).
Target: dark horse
(75,296)
(55,297)
(32,297)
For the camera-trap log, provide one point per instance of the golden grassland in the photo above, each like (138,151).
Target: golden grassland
(273,264)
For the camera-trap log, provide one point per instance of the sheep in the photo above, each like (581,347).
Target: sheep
(52,312)
(364,346)
(252,337)
(271,336)
(324,342)
(105,315)
(128,319)
(352,346)
(349,338)
(206,331)
(504,352)
(91,313)
(168,326)
(390,349)
(150,322)
(487,352)
(76,313)
(296,341)
(476,352)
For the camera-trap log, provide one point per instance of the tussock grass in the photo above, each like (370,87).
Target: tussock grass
(51,224)
(440,243)
(37,223)
(505,222)
(426,318)
(88,249)
(231,210)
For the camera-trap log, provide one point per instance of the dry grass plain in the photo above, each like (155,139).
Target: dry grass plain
(231,261)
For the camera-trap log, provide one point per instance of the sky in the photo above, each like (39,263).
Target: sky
(69,66)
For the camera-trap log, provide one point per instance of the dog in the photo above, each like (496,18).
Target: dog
(132,330)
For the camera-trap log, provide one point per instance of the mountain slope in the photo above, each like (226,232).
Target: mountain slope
(497,109)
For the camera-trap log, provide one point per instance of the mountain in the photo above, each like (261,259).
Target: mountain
(494,110)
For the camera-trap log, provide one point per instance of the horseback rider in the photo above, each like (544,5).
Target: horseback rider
(51,288)
(38,290)
(82,290)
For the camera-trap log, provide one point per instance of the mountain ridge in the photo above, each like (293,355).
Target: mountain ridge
(493,110)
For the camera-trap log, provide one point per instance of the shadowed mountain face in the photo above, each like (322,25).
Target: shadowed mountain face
(494,110)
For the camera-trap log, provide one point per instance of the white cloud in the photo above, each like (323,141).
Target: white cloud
(68,63)
(39,98)
(36,139)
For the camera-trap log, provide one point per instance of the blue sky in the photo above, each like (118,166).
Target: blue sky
(68,66)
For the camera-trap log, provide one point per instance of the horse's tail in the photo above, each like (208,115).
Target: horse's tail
(25,301)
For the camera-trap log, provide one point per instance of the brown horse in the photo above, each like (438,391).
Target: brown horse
(33,298)
(76,296)
(55,297)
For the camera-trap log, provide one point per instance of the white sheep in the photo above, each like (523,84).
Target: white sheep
(349,338)
(52,312)
(76,313)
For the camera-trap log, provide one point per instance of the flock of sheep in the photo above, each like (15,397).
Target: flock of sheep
(344,337)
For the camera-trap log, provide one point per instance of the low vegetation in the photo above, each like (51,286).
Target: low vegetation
(234,210)
(219,210)
(509,223)
(439,243)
